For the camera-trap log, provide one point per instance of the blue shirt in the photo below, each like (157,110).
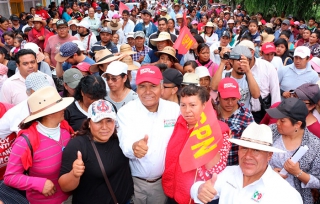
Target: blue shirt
(66,65)
(290,77)
(220,31)
(277,35)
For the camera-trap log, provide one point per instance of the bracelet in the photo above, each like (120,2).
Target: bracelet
(299,174)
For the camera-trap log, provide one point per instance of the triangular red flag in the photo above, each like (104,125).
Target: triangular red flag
(185,41)
(123,7)
(204,142)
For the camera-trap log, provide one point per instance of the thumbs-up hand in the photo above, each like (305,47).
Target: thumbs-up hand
(206,191)
(140,148)
(78,166)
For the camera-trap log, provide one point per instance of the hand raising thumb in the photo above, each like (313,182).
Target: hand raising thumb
(213,179)
(145,139)
(79,155)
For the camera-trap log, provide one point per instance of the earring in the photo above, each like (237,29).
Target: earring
(296,130)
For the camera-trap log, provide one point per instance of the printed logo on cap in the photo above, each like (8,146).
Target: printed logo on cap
(146,70)
(269,46)
(229,85)
(76,76)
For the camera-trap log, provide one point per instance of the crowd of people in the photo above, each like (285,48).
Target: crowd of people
(97,105)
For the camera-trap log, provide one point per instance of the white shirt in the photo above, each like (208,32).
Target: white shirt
(98,15)
(111,13)
(267,78)
(93,40)
(269,189)
(277,62)
(128,28)
(135,121)
(210,40)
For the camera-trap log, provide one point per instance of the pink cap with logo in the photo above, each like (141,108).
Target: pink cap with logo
(150,74)
(268,48)
(229,88)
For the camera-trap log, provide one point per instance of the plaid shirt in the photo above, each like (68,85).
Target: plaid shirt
(144,52)
(237,122)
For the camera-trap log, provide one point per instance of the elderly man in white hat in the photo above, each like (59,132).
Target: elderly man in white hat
(253,180)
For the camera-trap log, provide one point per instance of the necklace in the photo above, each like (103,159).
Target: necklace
(61,145)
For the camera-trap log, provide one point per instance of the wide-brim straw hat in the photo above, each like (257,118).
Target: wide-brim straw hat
(39,19)
(114,25)
(168,50)
(211,25)
(161,37)
(257,137)
(129,61)
(266,37)
(102,57)
(126,49)
(46,101)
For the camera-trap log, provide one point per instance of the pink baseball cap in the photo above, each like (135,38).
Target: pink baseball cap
(150,74)
(115,16)
(229,88)
(194,22)
(268,48)
(83,66)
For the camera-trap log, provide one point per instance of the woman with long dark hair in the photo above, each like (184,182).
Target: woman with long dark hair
(283,51)
(203,51)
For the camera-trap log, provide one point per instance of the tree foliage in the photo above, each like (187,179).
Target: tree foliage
(299,8)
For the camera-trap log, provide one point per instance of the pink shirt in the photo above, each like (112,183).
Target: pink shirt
(46,165)
(13,90)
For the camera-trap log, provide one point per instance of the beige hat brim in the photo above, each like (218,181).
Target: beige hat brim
(114,28)
(44,23)
(132,67)
(59,58)
(269,38)
(257,146)
(40,57)
(66,101)
(155,41)
(130,52)
(161,52)
(94,68)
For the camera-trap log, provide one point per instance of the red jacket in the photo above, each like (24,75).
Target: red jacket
(176,184)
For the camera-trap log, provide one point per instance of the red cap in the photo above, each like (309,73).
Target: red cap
(83,66)
(268,48)
(150,74)
(229,88)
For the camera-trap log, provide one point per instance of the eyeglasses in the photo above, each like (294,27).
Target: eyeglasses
(112,78)
(245,150)
(62,28)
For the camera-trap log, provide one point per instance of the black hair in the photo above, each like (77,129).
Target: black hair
(285,43)
(19,39)
(294,121)
(23,52)
(126,12)
(85,131)
(3,19)
(31,8)
(268,30)
(254,21)
(92,85)
(246,36)
(317,34)
(162,66)
(193,90)
(198,38)
(163,19)
(65,8)
(24,126)
(172,21)
(201,46)
(29,17)
(127,82)
(286,33)
(27,29)
(22,14)
(8,33)
(192,63)
(212,31)
(312,18)
(243,30)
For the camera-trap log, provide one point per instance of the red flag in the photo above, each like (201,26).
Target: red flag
(184,20)
(184,41)
(204,142)
(123,7)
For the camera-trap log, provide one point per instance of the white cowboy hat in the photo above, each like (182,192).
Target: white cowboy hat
(46,101)
(257,137)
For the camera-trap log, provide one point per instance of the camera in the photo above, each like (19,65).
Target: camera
(225,55)
(235,57)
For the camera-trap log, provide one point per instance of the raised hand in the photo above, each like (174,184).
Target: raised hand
(140,148)
(78,166)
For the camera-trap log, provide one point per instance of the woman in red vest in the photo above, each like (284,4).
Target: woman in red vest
(176,184)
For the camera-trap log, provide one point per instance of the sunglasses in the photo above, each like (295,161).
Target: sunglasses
(112,78)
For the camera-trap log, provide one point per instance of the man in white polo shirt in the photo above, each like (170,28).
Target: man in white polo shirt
(253,181)
(145,127)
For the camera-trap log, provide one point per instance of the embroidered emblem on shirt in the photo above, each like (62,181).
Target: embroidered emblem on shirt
(257,196)
(169,123)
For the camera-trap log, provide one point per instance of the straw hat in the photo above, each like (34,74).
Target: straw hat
(36,49)
(126,49)
(102,57)
(210,24)
(168,50)
(39,19)
(73,22)
(261,141)
(128,60)
(114,25)
(46,101)
(163,36)
(266,37)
